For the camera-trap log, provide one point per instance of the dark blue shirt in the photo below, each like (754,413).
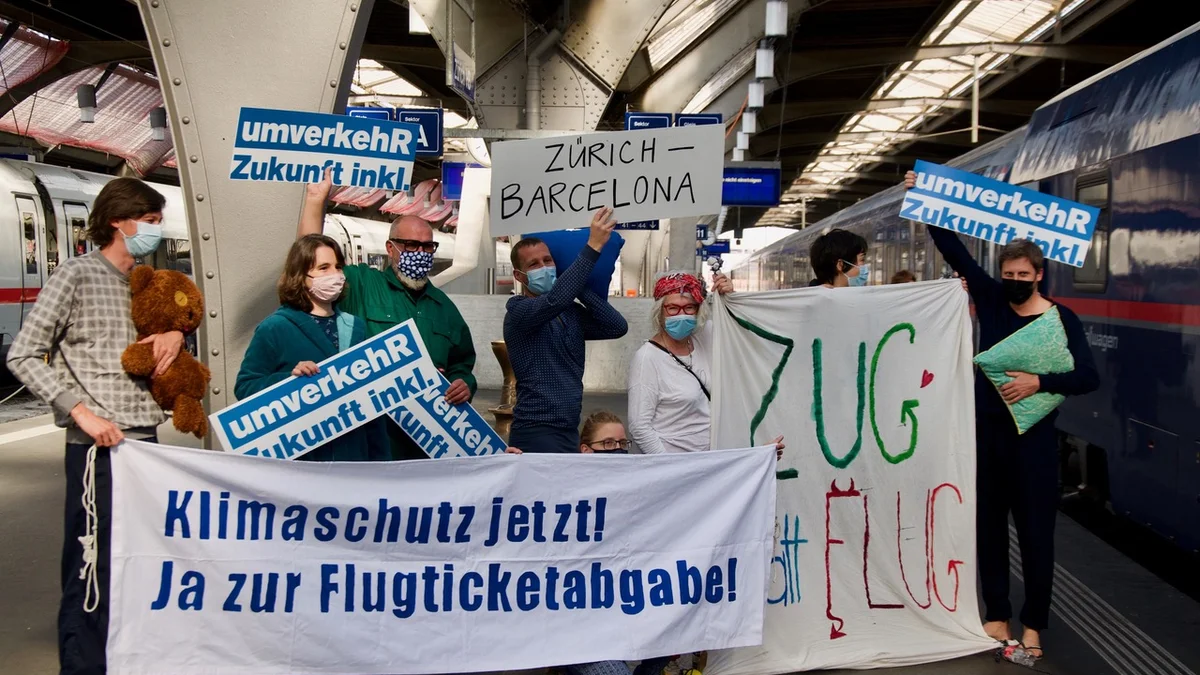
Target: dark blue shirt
(997,320)
(545,337)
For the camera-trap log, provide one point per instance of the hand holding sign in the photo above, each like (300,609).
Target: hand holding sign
(601,228)
(319,192)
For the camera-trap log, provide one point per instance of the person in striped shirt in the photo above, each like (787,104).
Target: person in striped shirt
(69,354)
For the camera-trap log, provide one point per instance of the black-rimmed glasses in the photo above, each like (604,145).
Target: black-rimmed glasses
(411,245)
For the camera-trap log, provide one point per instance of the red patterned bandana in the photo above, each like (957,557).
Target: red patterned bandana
(679,283)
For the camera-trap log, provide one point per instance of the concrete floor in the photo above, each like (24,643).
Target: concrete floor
(31,491)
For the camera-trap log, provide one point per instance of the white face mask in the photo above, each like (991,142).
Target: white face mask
(327,288)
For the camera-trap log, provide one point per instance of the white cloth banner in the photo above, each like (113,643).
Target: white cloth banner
(224,564)
(875,560)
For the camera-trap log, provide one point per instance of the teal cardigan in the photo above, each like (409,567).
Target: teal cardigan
(290,336)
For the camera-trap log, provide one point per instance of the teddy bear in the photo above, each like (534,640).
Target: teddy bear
(166,300)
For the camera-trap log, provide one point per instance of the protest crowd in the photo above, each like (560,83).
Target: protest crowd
(69,353)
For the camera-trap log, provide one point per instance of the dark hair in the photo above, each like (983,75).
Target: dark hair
(1023,248)
(593,422)
(300,259)
(830,248)
(515,254)
(121,199)
(903,277)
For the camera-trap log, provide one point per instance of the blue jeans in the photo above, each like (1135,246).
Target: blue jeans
(544,438)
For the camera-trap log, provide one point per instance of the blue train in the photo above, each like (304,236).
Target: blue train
(1128,142)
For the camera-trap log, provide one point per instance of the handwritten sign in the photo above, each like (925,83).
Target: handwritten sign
(874,565)
(354,387)
(444,430)
(225,564)
(988,209)
(296,147)
(547,184)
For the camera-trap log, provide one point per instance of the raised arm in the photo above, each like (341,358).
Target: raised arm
(980,284)
(526,314)
(1084,378)
(312,215)
(601,321)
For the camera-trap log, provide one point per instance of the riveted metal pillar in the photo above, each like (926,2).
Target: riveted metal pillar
(213,57)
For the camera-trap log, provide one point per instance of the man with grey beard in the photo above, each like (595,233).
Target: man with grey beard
(386,297)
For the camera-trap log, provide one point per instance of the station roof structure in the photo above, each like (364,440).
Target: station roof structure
(861,88)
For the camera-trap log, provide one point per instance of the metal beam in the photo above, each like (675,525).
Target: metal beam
(764,143)
(811,63)
(80,55)
(420,57)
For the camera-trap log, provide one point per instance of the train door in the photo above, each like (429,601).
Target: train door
(76,217)
(33,248)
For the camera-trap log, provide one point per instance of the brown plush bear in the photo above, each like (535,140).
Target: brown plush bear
(166,300)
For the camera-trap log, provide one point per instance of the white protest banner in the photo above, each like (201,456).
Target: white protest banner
(444,430)
(354,387)
(545,184)
(296,147)
(995,211)
(872,388)
(223,565)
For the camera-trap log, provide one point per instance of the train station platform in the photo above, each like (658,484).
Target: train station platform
(1110,615)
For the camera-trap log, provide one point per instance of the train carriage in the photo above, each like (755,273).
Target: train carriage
(1128,142)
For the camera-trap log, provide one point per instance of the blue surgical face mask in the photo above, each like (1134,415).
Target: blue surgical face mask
(864,275)
(680,326)
(145,241)
(541,280)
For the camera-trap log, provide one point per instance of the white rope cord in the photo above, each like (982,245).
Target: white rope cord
(12,395)
(91,595)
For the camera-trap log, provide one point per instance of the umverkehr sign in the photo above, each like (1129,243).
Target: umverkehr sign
(296,147)
(353,387)
(554,183)
(998,212)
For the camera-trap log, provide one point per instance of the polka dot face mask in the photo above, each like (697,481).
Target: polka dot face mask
(415,264)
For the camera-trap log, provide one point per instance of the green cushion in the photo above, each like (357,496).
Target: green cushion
(1039,348)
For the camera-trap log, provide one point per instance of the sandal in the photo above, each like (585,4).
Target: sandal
(1029,650)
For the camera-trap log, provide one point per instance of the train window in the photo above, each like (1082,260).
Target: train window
(1093,190)
(77,216)
(28,213)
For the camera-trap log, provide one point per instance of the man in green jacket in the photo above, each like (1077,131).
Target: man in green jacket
(384,298)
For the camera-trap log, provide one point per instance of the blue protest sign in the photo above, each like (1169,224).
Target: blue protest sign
(697,119)
(638,225)
(988,209)
(369,112)
(717,247)
(352,388)
(636,121)
(296,147)
(444,430)
(430,120)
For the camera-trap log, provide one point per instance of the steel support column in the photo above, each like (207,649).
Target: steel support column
(213,57)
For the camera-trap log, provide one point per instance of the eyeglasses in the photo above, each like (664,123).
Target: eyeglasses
(674,310)
(609,444)
(411,245)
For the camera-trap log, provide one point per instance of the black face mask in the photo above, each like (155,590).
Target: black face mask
(1017,291)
